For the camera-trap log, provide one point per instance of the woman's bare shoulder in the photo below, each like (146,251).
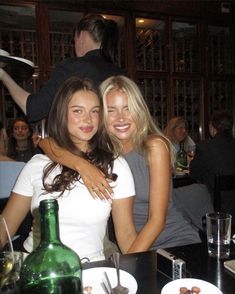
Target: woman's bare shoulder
(157,141)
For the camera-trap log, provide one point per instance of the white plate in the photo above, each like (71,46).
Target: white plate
(174,286)
(4,53)
(23,60)
(94,276)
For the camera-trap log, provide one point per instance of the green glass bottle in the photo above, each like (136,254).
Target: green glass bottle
(181,158)
(52,267)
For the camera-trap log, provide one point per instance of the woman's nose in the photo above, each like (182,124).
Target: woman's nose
(121,117)
(87,117)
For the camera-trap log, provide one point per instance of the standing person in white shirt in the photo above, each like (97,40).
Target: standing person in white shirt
(74,124)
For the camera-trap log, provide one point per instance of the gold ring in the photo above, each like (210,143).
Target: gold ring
(95,189)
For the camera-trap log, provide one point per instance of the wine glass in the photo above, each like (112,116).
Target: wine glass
(191,152)
(6,256)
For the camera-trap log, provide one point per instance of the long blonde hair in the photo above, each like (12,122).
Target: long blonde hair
(172,124)
(139,111)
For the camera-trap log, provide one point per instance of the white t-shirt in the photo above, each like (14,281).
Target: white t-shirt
(82,218)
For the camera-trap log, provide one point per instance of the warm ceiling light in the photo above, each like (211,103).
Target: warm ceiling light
(141,20)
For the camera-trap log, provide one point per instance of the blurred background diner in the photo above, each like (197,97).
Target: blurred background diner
(19,149)
(216,156)
(21,146)
(177,132)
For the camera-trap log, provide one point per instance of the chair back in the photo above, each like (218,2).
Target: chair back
(9,171)
(222,183)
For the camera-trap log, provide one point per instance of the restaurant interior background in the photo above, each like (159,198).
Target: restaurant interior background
(181,53)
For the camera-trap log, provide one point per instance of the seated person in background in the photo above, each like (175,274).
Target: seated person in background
(19,138)
(20,144)
(194,200)
(177,132)
(216,155)
(3,140)
(74,125)
(150,156)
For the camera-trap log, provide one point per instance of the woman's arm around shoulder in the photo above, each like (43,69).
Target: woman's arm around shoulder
(92,177)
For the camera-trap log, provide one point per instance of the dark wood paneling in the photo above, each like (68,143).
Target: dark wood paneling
(43,40)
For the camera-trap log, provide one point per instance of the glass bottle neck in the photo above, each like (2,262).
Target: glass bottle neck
(49,225)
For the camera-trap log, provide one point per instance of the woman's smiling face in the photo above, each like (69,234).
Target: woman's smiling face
(83,117)
(120,122)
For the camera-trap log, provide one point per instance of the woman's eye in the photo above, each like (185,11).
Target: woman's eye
(77,111)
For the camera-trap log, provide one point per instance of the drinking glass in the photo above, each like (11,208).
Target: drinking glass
(6,257)
(218,234)
(191,152)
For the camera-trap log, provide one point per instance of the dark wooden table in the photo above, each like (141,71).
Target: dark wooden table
(143,266)
(200,266)
(180,181)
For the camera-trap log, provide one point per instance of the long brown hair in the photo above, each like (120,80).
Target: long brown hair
(101,154)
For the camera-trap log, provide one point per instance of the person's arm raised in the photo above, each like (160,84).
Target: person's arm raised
(160,174)
(92,177)
(18,94)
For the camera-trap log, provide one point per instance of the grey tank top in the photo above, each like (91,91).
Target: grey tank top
(177,230)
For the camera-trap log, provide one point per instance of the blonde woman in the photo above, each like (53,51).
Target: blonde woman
(150,156)
(177,132)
